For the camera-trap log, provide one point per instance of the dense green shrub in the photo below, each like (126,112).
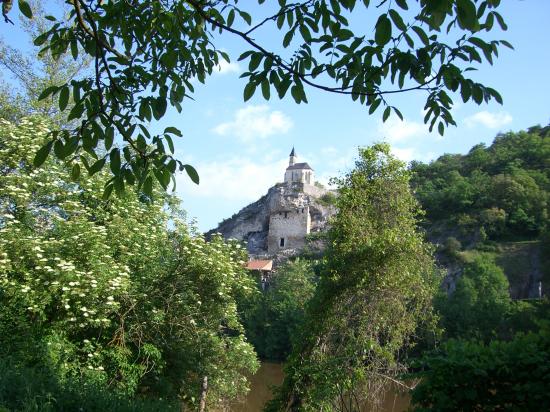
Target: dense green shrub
(120,292)
(451,247)
(480,303)
(499,376)
(272,320)
(37,389)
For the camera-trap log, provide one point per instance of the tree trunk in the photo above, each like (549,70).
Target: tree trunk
(204,390)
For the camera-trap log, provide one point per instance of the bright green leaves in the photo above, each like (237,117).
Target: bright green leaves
(383,30)
(25,9)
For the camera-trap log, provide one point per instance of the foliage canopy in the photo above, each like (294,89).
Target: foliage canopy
(374,292)
(145,55)
(104,290)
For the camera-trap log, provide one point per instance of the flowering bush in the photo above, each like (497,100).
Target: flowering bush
(121,292)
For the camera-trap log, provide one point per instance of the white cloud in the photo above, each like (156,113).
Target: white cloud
(406,154)
(225,67)
(253,122)
(395,130)
(233,179)
(488,119)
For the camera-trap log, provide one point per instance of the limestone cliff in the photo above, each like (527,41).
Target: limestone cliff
(255,223)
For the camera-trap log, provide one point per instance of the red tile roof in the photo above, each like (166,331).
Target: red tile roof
(260,265)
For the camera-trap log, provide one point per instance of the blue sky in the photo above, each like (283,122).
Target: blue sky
(241,149)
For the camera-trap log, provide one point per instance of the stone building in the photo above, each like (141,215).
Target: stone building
(291,222)
(278,223)
(298,172)
(288,228)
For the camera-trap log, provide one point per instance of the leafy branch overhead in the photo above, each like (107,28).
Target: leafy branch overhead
(146,53)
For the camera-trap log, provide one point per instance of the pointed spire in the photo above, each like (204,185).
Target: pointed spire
(292,158)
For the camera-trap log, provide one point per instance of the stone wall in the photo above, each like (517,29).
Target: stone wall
(260,224)
(291,226)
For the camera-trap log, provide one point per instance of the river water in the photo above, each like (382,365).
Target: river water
(271,374)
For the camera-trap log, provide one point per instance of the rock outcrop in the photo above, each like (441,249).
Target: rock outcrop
(255,223)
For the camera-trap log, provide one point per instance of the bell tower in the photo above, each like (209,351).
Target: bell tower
(292,159)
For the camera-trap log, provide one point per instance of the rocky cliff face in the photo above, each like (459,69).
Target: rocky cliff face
(251,224)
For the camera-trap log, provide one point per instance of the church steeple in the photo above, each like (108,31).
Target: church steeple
(292,159)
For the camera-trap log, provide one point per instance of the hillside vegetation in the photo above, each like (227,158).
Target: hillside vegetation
(493,200)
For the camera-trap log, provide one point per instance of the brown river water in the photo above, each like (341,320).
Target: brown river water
(271,374)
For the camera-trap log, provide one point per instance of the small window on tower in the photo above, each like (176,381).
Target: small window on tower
(282,242)
(286,215)
(302,210)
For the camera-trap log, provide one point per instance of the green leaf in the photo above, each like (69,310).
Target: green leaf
(42,154)
(25,9)
(148,186)
(75,172)
(96,167)
(107,191)
(163,177)
(422,35)
(192,173)
(231,17)
(114,161)
(296,94)
(255,61)
(170,143)
(159,107)
(265,89)
(374,106)
(47,92)
(145,110)
(397,20)
(382,34)
(64,98)
(109,137)
(386,114)
(40,40)
(466,14)
(441,128)
(249,90)
(402,4)
(173,130)
(246,17)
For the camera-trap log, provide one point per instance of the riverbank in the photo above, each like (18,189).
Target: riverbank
(271,374)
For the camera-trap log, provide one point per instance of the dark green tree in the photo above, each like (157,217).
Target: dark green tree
(374,292)
(480,304)
(272,322)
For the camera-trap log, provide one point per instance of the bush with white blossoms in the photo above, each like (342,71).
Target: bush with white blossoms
(105,290)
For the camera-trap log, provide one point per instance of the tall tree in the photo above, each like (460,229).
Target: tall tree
(146,53)
(480,304)
(374,293)
(30,72)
